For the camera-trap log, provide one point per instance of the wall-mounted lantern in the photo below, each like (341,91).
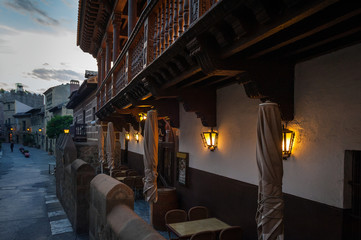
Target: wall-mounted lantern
(11,129)
(28,129)
(288,137)
(66,131)
(142,116)
(127,136)
(136,136)
(40,129)
(210,139)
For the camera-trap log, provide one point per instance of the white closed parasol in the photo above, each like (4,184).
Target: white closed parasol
(110,147)
(101,154)
(151,157)
(269,215)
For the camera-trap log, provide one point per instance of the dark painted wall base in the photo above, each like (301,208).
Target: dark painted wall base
(235,202)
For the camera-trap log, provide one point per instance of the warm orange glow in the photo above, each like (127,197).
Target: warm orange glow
(210,139)
(11,129)
(40,129)
(142,116)
(66,131)
(287,142)
(136,136)
(127,136)
(28,129)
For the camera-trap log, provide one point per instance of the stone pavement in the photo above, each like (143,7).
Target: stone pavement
(29,208)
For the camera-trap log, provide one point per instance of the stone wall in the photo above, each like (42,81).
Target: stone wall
(88,152)
(81,175)
(111,212)
(73,178)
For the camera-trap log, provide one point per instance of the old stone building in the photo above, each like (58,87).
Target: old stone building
(85,126)
(56,99)
(13,102)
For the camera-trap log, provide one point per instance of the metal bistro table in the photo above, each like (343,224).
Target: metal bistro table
(187,229)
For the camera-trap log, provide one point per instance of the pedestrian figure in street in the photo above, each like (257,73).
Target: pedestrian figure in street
(12,146)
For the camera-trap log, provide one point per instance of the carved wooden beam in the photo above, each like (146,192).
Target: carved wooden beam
(271,81)
(203,102)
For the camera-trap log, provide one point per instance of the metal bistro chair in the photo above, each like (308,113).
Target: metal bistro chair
(118,174)
(175,216)
(197,213)
(138,186)
(132,173)
(231,233)
(129,181)
(206,235)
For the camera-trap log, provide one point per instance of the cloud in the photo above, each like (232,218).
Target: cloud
(3,85)
(4,48)
(60,75)
(27,7)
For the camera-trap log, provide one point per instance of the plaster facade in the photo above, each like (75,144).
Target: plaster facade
(327,117)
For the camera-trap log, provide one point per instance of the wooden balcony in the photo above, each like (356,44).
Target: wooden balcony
(184,50)
(78,132)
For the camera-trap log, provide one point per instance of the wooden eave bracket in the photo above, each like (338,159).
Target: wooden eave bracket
(203,102)
(272,81)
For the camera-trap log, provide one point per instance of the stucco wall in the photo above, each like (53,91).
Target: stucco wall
(327,122)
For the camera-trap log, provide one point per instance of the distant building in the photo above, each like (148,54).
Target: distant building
(56,99)
(85,125)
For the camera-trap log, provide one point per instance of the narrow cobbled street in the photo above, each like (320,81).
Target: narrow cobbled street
(29,208)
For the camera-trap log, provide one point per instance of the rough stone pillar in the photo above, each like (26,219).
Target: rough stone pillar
(132,16)
(116,29)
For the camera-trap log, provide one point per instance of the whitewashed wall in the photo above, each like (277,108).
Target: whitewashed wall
(327,122)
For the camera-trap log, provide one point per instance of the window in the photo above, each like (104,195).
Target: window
(49,99)
(24,126)
(8,106)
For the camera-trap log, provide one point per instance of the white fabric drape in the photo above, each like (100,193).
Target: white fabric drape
(101,154)
(110,147)
(269,215)
(151,157)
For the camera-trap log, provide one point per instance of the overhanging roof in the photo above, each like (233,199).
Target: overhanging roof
(87,87)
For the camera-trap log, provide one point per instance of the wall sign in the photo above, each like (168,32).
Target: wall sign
(182,167)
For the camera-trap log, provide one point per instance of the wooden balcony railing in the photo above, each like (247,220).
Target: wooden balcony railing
(159,26)
(78,132)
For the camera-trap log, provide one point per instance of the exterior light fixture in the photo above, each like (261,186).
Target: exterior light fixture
(288,137)
(142,116)
(11,129)
(210,139)
(136,136)
(66,131)
(40,129)
(28,129)
(127,136)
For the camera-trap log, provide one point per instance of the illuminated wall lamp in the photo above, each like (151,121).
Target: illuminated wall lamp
(288,138)
(40,129)
(136,136)
(210,139)
(66,131)
(142,116)
(127,136)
